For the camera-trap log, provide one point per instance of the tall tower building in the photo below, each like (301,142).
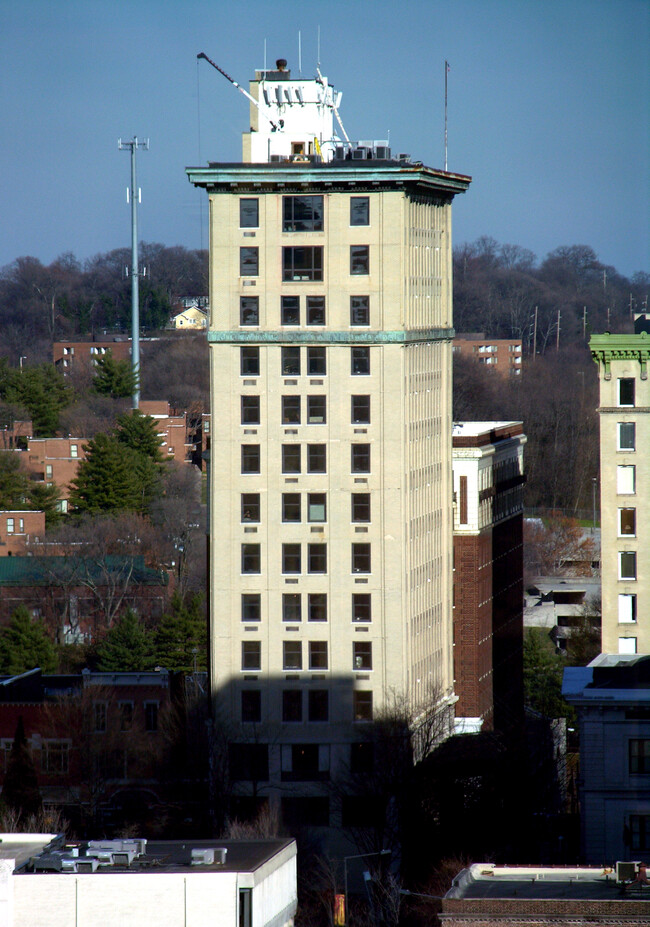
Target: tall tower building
(624,486)
(331,493)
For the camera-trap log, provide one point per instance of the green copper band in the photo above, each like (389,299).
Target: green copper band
(326,337)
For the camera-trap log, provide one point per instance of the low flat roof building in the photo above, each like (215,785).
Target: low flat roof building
(233,883)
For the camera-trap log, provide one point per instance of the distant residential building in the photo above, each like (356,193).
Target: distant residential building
(173,429)
(514,896)
(68,355)
(561,604)
(14,433)
(612,698)
(501,354)
(54,461)
(18,529)
(488,473)
(191,319)
(625,487)
(232,883)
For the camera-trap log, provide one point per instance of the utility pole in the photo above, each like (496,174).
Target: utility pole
(584,323)
(557,342)
(133,196)
(535,337)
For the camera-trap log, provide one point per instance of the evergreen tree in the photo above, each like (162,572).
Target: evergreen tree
(25,644)
(115,378)
(543,670)
(20,787)
(126,647)
(14,483)
(43,498)
(113,478)
(42,390)
(140,433)
(179,633)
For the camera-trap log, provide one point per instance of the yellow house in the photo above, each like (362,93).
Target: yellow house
(191,318)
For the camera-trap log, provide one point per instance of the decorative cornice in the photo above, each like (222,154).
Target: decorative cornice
(415,336)
(607,348)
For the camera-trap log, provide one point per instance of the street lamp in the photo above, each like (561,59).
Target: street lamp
(24,357)
(345,873)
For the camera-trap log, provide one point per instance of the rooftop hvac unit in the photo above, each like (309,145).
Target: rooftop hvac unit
(359,154)
(139,845)
(339,153)
(49,863)
(382,152)
(202,857)
(626,871)
(403,157)
(220,854)
(89,864)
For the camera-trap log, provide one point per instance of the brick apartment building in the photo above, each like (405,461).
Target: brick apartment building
(68,355)
(54,461)
(18,529)
(501,354)
(488,574)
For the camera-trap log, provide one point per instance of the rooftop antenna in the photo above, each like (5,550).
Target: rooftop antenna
(241,89)
(299,53)
(134,195)
(318,55)
(446,73)
(264,59)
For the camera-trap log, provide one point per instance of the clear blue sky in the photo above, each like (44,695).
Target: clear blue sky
(549,104)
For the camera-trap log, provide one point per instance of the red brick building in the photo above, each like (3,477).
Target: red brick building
(68,355)
(54,460)
(488,574)
(501,354)
(18,529)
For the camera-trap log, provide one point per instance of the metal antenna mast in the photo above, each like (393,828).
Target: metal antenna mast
(133,195)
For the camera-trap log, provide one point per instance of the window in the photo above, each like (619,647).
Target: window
(55,757)
(302,264)
(10,525)
(250,506)
(626,480)
(361,607)
(317,506)
(317,558)
(362,706)
(362,756)
(305,812)
(292,705)
(290,310)
(626,608)
(360,506)
(361,558)
(249,213)
(250,458)
(48,471)
(251,558)
(251,655)
(315,310)
(291,458)
(359,210)
(359,310)
(250,410)
(291,558)
(360,458)
(249,362)
(292,655)
(316,458)
(249,262)
(627,522)
(126,715)
(291,410)
(316,362)
(290,506)
(360,362)
(318,705)
(359,259)
(100,713)
(626,436)
(640,832)
(292,606)
(302,213)
(361,655)
(626,391)
(74,450)
(627,645)
(251,606)
(251,706)
(249,761)
(290,363)
(151,717)
(316,410)
(639,756)
(305,762)
(249,310)
(317,655)
(627,564)
(317,606)
(360,410)
(245,907)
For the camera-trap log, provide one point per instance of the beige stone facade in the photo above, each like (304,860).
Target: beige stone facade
(624,494)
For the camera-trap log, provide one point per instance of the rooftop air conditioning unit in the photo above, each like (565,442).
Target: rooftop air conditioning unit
(358,154)
(339,153)
(202,857)
(382,153)
(402,156)
(626,871)
(89,864)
